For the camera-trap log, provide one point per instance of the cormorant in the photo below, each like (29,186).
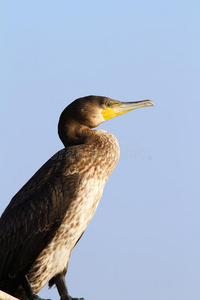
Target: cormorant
(47,217)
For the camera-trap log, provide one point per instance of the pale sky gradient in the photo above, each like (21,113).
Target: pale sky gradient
(144,241)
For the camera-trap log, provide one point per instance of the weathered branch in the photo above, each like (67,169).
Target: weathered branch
(4,296)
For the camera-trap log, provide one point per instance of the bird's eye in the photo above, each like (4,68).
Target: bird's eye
(108,104)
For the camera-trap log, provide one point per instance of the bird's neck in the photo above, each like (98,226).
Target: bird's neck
(72,133)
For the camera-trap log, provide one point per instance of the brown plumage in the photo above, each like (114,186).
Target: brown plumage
(46,218)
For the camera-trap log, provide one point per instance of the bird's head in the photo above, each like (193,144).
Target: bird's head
(91,111)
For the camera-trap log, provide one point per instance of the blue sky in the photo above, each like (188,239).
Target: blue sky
(144,241)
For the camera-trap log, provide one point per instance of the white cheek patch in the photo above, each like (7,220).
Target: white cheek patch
(101,116)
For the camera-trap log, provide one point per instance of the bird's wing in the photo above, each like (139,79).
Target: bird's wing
(32,217)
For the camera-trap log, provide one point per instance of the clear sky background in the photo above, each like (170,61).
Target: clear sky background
(144,241)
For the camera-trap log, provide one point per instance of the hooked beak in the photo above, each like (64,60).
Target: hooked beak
(122,107)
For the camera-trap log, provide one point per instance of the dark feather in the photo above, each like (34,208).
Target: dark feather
(32,218)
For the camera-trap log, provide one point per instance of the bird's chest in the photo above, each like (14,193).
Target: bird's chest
(56,255)
(80,212)
(95,170)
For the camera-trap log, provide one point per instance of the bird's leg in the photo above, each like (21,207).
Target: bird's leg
(60,283)
(28,290)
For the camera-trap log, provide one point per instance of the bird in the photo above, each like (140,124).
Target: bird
(47,217)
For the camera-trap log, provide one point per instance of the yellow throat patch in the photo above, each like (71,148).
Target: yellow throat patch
(109,113)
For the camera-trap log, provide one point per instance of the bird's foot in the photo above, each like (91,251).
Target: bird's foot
(68,297)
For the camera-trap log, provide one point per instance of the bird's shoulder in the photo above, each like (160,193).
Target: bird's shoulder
(35,212)
(42,201)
